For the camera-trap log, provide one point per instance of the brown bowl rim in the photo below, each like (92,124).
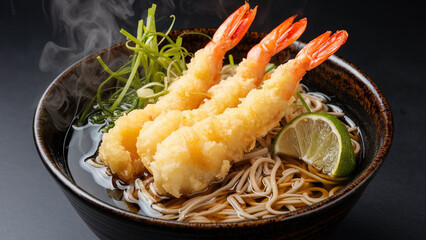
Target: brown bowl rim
(366,175)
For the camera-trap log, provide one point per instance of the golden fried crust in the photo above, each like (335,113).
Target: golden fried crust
(191,158)
(118,147)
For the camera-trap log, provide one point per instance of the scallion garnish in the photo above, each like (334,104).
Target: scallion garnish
(154,65)
(272,66)
(303,102)
(231,60)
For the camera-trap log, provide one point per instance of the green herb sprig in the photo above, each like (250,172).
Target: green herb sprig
(303,102)
(153,67)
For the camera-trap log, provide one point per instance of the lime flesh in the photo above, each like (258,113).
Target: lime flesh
(319,139)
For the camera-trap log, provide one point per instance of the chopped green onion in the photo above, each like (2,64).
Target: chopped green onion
(231,60)
(150,70)
(272,66)
(303,101)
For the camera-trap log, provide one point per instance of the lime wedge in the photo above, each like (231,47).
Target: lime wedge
(319,139)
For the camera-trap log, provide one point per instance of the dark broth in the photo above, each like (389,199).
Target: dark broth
(83,145)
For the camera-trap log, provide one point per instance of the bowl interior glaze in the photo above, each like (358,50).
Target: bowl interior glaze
(347,86)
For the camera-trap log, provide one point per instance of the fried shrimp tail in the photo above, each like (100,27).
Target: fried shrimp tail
(193,157)
(118,147)
(226,94)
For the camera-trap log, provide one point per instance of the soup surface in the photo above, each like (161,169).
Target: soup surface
(243,194)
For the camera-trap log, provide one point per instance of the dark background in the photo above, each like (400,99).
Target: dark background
(386,40)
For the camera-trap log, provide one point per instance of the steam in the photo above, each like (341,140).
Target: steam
(84,27)
(87,27)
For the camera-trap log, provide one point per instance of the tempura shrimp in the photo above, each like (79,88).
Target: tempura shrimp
(118,147)
(226,94)
(193,157)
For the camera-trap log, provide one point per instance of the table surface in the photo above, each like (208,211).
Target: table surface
(385,40)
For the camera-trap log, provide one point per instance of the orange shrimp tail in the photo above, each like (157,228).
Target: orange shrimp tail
(291,35)
(321,48)
(268,46)
(233,29)
(277,40)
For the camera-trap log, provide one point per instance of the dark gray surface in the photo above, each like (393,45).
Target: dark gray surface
(385,40)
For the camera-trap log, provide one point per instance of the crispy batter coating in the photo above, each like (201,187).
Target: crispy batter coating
(226,94)
(191,158)
(118,147)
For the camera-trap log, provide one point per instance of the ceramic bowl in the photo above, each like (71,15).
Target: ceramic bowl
(356,93)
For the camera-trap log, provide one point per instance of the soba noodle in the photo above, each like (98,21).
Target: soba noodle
(260,186)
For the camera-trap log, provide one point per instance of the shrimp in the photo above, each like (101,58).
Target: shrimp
(226,94)
(191,158)
(118,147)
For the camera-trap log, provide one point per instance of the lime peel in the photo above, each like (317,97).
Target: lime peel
(319,139)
